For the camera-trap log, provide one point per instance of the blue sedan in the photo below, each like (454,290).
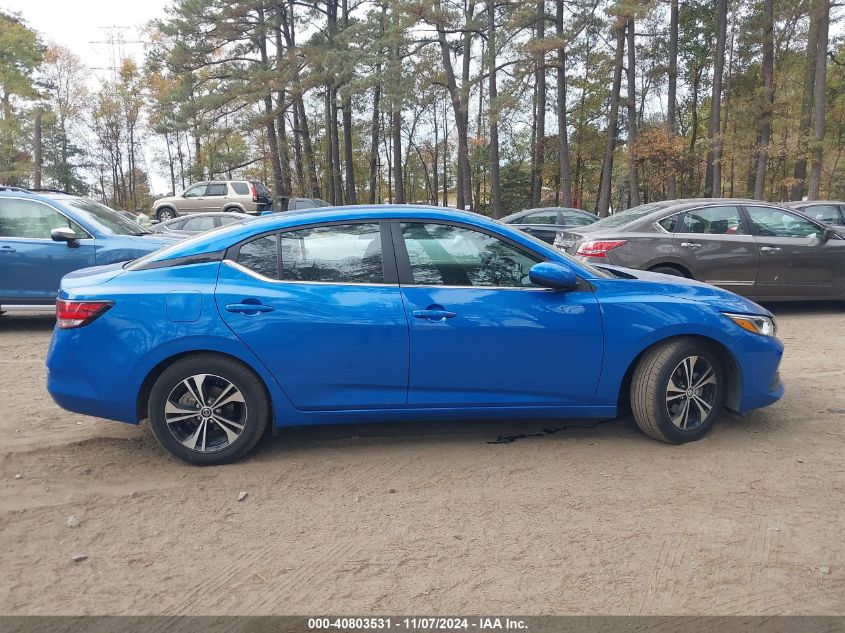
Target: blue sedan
(44,236)
(393,314)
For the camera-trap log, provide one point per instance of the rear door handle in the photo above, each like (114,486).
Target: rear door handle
(691,244)
(434,314)
(249,309)
(771,249)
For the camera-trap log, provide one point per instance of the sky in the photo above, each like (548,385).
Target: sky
(100,32)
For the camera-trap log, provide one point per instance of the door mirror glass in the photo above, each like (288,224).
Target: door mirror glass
(554,276)
(828,234)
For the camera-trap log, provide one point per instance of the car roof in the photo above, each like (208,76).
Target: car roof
(224,237)
(810,203)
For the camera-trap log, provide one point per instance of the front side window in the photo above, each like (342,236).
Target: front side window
(195,192)
(261,256)
(33,220)
(446,255)
(217,189)
(770,222)
(712,221)
(338,253)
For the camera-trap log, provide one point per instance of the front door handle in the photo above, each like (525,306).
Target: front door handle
(249,309)
(771,249)
(434,314)
(691,244)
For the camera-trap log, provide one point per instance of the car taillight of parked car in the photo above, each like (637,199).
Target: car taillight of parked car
(254,192)
(71,314)
(598,248)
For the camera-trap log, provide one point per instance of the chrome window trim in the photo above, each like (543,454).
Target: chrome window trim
(52,208)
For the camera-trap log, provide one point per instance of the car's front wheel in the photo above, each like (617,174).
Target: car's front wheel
(208,409)
(678,390)
(165,213)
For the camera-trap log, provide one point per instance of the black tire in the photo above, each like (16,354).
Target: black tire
(218,447)
(655,402)
(233,210)
(166,213)
(668,270)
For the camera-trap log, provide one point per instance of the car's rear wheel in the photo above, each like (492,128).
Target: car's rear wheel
(165,213)
(208,409)
(678,390)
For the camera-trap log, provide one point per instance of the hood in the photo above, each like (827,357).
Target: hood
(167,199)
(683,288)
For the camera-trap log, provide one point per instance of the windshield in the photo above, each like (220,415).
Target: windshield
(112,221)
(627,216)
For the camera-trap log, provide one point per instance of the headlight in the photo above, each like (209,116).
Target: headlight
(754,323)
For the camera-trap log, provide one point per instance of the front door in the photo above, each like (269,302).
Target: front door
(193,199)
(481,334)
(794,260)
(32,264)
(717,247)
(321,308)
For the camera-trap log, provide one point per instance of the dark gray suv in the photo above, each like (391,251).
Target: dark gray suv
(758,249)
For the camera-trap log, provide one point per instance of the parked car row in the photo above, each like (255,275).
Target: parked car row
(765,251)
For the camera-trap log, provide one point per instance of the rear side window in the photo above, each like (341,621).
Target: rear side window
(669,224)
(577,219)
(261,256)
(340,253)
(217,189)
(540,217)
(241,188)
(205,223)
(712,221)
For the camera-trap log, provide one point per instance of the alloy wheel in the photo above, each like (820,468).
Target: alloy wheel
(691,392)
(205,413)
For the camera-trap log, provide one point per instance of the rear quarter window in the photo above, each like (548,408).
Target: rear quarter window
(241,188)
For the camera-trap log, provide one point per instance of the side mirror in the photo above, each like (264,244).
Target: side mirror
(828,234)
(64,235)
(554,276)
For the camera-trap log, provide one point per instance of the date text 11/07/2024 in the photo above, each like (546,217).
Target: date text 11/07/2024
(417,624)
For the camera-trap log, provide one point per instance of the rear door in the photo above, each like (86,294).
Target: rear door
(794,260)
(215,196)
(321,307)
(482,335)
(32,264)
(714,242)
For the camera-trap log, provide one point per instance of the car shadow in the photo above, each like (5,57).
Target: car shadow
(27,322)
(805,307)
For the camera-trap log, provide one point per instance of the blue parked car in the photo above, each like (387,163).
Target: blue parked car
(391,314)
(44,236)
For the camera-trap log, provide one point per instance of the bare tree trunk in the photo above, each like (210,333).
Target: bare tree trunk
(562,132)
(495,184)
(633,170)
(461,121)
(269,117)
(819,101)
(603,205)
(765,116)
(335,147)
(671,107)
(712,187)
(398,176)
(37,153)
(375,126)
(799,174)
(540,126)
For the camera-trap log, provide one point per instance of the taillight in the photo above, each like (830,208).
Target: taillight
(254,192)
(599,248)
(71,314)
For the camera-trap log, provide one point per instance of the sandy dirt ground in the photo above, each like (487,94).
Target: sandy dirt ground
(431,518)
